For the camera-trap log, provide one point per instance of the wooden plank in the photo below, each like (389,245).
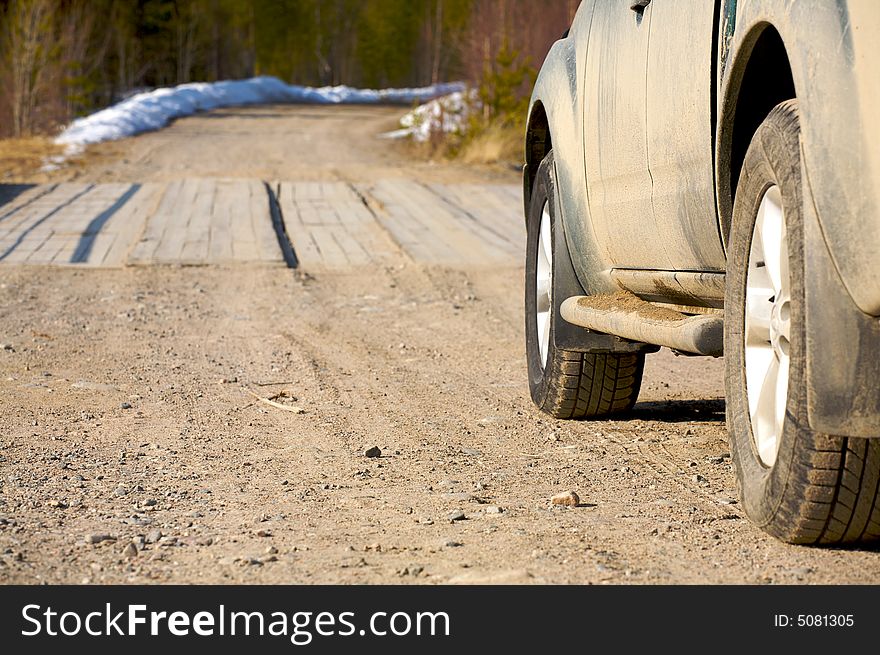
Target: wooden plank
(13,197)
(198,228)
(261,217)
(20,202)
(220,235)
(173,237)
(27,246)
(100,247)
(43,208)
(130,222)
(244,241)
(433,241)
(331,253)
(289,201)
(347,240)
(409,235)
(145,248)
(496,220)
(46,251)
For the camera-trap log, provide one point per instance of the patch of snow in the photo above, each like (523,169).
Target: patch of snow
(55,162)
(446,114)
(152,110)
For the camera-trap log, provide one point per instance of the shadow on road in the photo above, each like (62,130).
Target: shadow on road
(9,192)
(679,411)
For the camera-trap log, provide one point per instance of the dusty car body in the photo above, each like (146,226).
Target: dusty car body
(649,109)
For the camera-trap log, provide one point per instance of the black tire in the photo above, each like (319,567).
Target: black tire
(821,489)
(572,385)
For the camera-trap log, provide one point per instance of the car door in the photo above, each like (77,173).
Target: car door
(679,87)
(616,137)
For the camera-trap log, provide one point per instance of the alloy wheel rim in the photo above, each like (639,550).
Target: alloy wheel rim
(544,283)
(768,326)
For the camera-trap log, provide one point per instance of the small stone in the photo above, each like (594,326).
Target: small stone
(264,533)
(271,550)
(698,478)
(566,499)
(473,452)
(130,550)
(493,509)
(98,538)
(7,346)
(426,521)
(727,501)
(450,543)
(373,451)
(153,536)
(120,491)
(125,405)
(204,541)
(456,515)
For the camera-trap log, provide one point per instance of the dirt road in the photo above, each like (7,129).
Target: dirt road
(134,447)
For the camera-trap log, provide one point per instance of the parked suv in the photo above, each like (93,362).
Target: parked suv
(705,176)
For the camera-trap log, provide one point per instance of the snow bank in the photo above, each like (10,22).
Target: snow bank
(447,114)
(153,110)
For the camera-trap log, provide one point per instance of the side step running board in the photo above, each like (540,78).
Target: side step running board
(626,315)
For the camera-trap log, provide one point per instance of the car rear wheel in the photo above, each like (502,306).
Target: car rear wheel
(797,484)
(566,384)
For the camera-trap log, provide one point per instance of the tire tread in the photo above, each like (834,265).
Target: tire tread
(591,385)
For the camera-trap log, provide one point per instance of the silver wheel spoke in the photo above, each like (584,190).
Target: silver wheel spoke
(758,307)
(544,283)
(758,363)
(546,236)
(543,296)
(765,421)
(770,229)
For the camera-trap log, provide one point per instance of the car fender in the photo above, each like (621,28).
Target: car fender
(558,93)
(830,46)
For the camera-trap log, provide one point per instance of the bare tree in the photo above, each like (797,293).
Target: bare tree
(28,38)
(438,43)
(83,48)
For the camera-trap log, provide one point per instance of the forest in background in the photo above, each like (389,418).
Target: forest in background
(60,59)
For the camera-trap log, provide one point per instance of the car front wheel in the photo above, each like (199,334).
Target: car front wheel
(797,484)
(566,384)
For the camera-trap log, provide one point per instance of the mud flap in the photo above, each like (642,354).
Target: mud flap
(843,343)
